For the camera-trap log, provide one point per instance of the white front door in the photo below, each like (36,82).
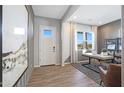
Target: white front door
(47,45)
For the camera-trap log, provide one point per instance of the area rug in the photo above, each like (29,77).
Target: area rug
(92,70)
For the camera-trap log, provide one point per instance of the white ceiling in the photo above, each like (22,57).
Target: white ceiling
(96,14)
(50,11)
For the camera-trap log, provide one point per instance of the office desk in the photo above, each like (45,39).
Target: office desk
(99,57)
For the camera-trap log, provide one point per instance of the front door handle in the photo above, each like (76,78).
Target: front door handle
(54,48)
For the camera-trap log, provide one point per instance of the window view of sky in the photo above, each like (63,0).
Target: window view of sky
(89,38)
(47,33)
(80,37)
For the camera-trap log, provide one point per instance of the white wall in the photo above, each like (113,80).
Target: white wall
(65,41)
(48,22)
(70,12)
(82,27)
(65,30)
(18,18)
(26,76)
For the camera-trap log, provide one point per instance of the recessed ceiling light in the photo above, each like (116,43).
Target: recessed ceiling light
(74,17)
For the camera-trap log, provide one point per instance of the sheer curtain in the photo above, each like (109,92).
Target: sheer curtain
(73,43)
(94,29)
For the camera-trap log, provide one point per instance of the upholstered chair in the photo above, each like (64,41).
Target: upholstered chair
(112,76)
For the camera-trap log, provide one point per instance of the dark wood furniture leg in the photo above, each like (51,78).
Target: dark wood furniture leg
(100,82)
(89,60)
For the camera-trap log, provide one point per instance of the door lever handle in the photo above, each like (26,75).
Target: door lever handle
(53,48)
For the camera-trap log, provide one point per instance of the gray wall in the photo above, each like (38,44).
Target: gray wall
(30,42)
(108,31)
(48,22)
(24,79)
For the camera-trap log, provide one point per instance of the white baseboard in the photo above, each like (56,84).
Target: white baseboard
(58,64)
(67,63)
(36,65)
(55,64)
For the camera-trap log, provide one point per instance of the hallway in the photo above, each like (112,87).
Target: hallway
(58,76)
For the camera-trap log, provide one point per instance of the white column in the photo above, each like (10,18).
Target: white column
(94,29)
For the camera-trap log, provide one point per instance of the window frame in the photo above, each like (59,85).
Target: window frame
(84,39)
(77,39)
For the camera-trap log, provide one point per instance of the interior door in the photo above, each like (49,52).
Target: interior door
(47,45)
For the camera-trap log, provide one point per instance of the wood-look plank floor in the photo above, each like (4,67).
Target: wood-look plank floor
(58,76)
